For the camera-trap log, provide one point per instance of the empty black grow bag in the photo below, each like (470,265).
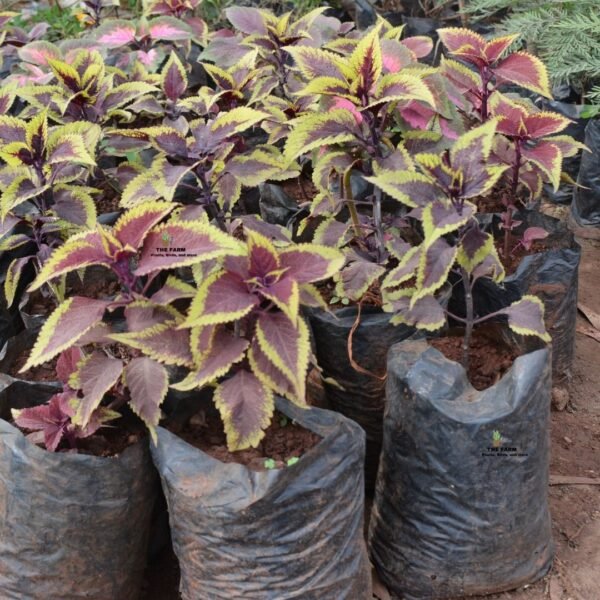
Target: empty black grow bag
(72,526)
(358,396)
(585,207)
(461,499)
(296,532)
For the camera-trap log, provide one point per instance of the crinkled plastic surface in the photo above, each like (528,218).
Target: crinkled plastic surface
(361,397)
(553,276)
(72,526)
(452,517)
(290,533)
(585,207)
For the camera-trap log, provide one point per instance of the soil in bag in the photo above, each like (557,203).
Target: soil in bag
(285,529)
(461,503)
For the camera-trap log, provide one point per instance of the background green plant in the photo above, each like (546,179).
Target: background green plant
(63,22)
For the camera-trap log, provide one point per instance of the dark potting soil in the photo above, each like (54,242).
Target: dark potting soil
(489,356)
(517,252)
(300,189)
(492,201)
(97,287)
(283,440)
(111,440)
(44,372)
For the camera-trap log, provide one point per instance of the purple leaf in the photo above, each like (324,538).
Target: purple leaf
(95,376)
(148,383)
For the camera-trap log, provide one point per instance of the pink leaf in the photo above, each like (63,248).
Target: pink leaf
(169,28)
(420,45)
(347,105)
(531,234)
(115,34)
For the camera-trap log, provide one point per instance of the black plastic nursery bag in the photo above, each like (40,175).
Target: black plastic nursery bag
(586,199)
(72,526)
(290,533)
(461,500)
(357,395)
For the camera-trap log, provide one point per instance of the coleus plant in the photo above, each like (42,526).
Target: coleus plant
(213,157)
(532,148)
(494,68)
(46,167)
(438,194)
(85,90)
(136,249)
(144,37)
(53,424)
(247,334)
(362,95)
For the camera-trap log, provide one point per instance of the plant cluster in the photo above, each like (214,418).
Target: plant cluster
(168,124)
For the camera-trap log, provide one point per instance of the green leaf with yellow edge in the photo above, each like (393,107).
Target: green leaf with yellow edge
(10,154)
(474,248)
(434,265)
(366,60)
(408,187)
(21,189)
(316,130)
(12,278)
(12,129)
(397,87)
(476,144)
(235,121)
(315,62)
(66,74)
(405,270)
(440,218)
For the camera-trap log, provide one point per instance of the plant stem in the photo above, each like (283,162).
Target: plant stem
(377,222)
(508,225)
(347,195)
(485,92)
(470,318)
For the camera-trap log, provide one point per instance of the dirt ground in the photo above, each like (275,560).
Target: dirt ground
(575,434)
(575,509)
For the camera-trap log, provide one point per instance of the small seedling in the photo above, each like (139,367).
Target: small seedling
(292,461)
(270,463)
